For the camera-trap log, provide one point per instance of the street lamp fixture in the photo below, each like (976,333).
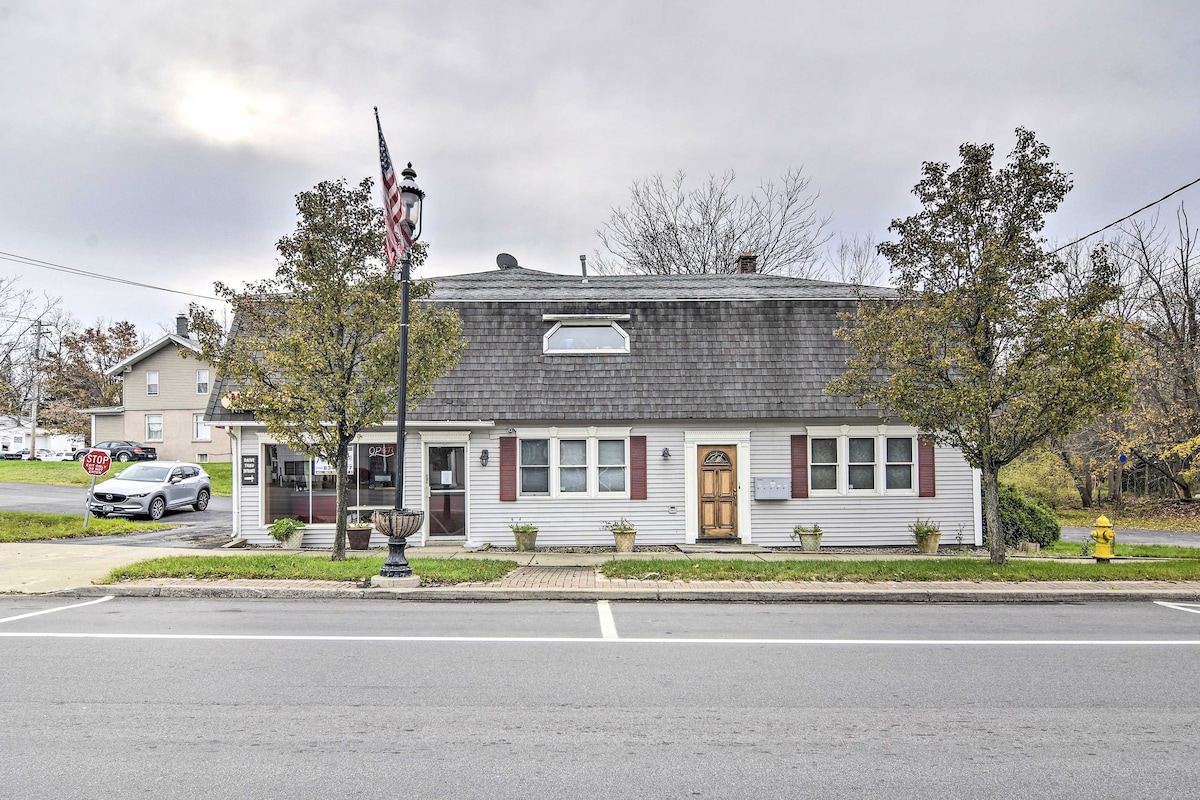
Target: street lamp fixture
(400,523)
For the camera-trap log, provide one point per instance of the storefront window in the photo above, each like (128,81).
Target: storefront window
(304,488)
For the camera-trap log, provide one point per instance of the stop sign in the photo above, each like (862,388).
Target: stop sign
(96,463)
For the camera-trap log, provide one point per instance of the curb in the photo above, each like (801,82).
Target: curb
(484,595)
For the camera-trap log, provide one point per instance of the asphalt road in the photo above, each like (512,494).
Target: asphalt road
(366,699)
(208,528)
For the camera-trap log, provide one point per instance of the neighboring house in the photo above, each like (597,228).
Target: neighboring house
(693,405)
(14,436)
(163,402)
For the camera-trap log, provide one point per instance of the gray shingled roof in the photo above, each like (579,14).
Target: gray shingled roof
(701,347)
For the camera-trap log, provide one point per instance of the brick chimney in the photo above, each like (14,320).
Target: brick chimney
(747,263)
(181,325)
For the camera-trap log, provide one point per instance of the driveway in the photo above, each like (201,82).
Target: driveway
(209,528)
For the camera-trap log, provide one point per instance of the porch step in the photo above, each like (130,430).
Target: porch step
(721,547)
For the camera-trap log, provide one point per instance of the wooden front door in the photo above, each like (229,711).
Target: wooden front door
(718,491)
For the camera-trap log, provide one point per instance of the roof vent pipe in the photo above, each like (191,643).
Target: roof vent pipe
(583,263)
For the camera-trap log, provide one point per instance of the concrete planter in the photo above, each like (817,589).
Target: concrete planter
(929,542)
(293,541)
(526,540)
(810,542)
(624,540)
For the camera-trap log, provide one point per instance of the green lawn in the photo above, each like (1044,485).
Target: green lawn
(26,526)
(70,473)
(931,569)
(284,566)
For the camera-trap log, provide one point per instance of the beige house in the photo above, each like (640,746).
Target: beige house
(164,396)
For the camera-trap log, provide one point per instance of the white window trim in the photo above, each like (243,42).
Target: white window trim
(579,322)
(156,383)
(880,433)
(161,428)
(207,381)
(592,436)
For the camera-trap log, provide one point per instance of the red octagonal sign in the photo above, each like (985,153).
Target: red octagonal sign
(96,463)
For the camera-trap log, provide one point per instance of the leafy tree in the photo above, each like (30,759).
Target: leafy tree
(667,229)
(314,349)
(976,348)
(76,373)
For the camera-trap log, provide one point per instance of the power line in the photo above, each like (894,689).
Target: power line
(33,262)
(1127,216)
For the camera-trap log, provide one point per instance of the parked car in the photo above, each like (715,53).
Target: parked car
(121,450)
(150,489)
(16,455)
(42,454)
(60,455)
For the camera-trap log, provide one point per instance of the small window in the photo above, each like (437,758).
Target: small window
(862,463)
(154,428)
(582,338)
(899,463)
(200,429)
(152,383)
(823,472)
(201,381)
(535,466)
(202,458)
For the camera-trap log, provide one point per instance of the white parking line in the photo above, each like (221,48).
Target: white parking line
(1195,609)
(593,640)
(608,627)
(60,608)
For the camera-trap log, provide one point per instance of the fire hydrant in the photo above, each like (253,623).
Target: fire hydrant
(1106,539)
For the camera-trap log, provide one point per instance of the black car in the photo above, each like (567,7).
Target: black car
(121,450)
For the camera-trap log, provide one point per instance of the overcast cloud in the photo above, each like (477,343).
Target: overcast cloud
(165,141)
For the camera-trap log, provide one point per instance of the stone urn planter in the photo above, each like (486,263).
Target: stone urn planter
(358,537)
(810,537)
(398,525)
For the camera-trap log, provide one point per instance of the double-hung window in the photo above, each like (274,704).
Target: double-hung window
(583,465)
(201,381)
(200,429)
(151,383)
(154,427)
(850,460)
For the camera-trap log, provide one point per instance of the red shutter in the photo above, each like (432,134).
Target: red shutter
(508,468)
(925,467)
(637,467)
(800,465)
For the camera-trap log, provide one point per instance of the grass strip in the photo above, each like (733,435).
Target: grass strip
(1074,549)
(30,526)
(295,566)
(70,473)
(1126,518)
(931,569)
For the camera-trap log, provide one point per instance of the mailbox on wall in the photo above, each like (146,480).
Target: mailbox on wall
(772,488)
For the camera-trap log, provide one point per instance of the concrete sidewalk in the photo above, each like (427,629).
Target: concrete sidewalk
(50,568)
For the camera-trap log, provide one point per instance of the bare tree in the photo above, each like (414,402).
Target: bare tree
(668,229)
(855,259)
(23,313)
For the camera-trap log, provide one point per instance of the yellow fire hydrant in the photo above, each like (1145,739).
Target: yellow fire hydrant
(1106,539)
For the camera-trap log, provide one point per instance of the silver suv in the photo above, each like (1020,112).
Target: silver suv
(150,488)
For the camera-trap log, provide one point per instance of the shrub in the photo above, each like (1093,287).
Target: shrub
(1025,520)
(281,529)
(1042,476)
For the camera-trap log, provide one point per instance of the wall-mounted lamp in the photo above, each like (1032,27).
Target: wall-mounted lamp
(666,453)
(512,430)
(483,458)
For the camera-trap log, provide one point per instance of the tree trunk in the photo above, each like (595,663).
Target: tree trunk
(1085,494)
(340,488)
(991,512)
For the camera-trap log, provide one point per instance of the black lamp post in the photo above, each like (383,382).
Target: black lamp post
(400,522)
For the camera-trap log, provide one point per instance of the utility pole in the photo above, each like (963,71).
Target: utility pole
(37,388)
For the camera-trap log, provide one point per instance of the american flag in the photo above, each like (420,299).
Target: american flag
(397,233)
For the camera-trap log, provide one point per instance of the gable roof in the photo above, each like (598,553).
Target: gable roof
(152,348)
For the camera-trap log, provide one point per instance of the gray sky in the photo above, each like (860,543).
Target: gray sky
(165,141)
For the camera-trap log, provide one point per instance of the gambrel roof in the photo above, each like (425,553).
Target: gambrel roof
(717,347)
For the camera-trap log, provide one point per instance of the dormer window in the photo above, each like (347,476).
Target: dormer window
(585,334)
